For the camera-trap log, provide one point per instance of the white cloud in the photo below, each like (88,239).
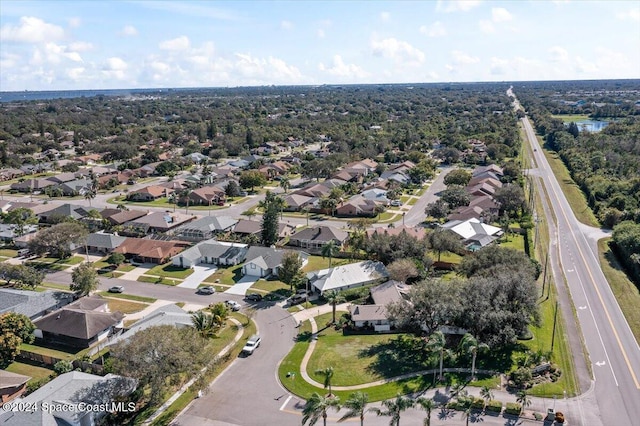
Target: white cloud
(339,69)
(286,25)
(75,22)
(128,31)
(385,16)
(500,14)
(263,71)
(630,15)
(463,58)
(486,27)
(456,5)
(115,68)
(80,46)
(558,54)
(320,33)
(177,44)
(31,30)
(51,54)
(436,29)
(398,50)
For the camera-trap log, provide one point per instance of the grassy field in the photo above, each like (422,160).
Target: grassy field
(170,271)
(514,241)
(315,263)
(571,117)
(33,371)
(574,195)
(228,276)
(158,280)
(125,306)
(50,352)
(127,297)
(8,252)
(270,285)
(623,288)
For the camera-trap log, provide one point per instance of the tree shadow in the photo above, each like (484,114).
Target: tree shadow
(402,355)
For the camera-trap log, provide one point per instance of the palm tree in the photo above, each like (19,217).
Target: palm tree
(523,399)
(306,211)
(394,407)
(285,184)
(469,344)
(329,250)
(427,404)
(89,195)
(487,394)
(333,297)
(328,375)
(357,405)
(437,343)
(205,324)
(317,407)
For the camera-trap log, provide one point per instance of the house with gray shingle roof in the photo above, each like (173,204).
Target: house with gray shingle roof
(101,242)
(165,315)
(33,304)
(318,236)
(265,261)
(211,252)
(205,228)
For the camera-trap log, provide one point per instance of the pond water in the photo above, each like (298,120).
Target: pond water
(591,125)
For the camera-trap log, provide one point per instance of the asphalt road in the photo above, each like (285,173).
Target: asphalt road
(612,348)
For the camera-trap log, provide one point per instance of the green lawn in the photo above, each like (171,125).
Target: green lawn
(315,263)
(625,291)
(446,257)
(127,297)
(359,359)
(567,118)
(514,241)
(574,195)
(386,217)
(412,201)
(158,280)
(270,285)
(125,306)
(228,276)
(56,353)
(56,286)
(33,371)
(8,252)
(170,271)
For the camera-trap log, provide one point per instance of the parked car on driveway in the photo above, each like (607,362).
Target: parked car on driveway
(396,203)
(206,290)
(252,343)
(116,289)
(233,305)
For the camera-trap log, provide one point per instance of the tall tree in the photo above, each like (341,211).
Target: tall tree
(427,404)
(327,373)
(487,394)
(15,329)
(438,343)
(470,345)
(84,279)
(285,184)
(21,218)
(89,195)
(58,240)
(330,250)
(523,399)
(316,407)
(333,297)
(291,270)
(444,240)
(356,405)
(271,206)
(394,408)
(251,179)
(206,324)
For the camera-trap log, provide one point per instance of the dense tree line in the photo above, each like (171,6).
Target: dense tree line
(626,242)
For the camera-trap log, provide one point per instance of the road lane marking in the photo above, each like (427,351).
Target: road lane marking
(604,306)
(286,401)
(582,307)
(600,363)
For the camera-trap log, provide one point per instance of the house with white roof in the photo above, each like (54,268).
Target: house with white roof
(474,233)
(347,276)
(265,261)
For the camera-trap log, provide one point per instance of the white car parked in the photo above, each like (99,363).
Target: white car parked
(233,305)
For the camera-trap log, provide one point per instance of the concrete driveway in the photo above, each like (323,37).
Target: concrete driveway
(200,273)
(241,287)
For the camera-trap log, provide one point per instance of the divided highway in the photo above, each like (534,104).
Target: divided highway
(610,344)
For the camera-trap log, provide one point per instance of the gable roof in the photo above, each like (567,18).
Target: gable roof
(471,228)
(386,293)
(154,249)
(245,226)
(170,314)
(214,249)
(347,275)
(12,380)
(209,224)
(416,232)
(125,216)
(368,312)
(102,240)
(32,303)
(161,220)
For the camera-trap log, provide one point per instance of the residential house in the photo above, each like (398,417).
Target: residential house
(266,261)
(150,251)
(119,217)
(376,194)
(9,232)
(375,316)
(211,252)
(32,185)
(362,167)
(103,243)
(296,202)
(98,393)
(496,170)
(64,177)
(89,159)
(481,189)
(253,227)
(149,193)
(33,304)
(158,222)
(75,187)
(359,206)
(487,177)
(207,196)
(80,324)
(318,236)
(205,228)
(401,177)
(8,206)
(418,232)
(171,314)
(10,173)
(74,211)
(347,276)
(12,386)
(474,233)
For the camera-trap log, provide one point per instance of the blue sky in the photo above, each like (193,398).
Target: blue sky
(58,45)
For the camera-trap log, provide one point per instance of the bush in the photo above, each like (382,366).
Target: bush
(513,408)
(494,406)
(477,403)
(355,293)
(559,417)
(538,416)
(521,377)
(62,367)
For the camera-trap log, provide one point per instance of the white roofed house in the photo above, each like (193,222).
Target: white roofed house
(266,261)
(347,276)
(474,233)
(375,315)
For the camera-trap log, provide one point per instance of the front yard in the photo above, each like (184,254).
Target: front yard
(170,271)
